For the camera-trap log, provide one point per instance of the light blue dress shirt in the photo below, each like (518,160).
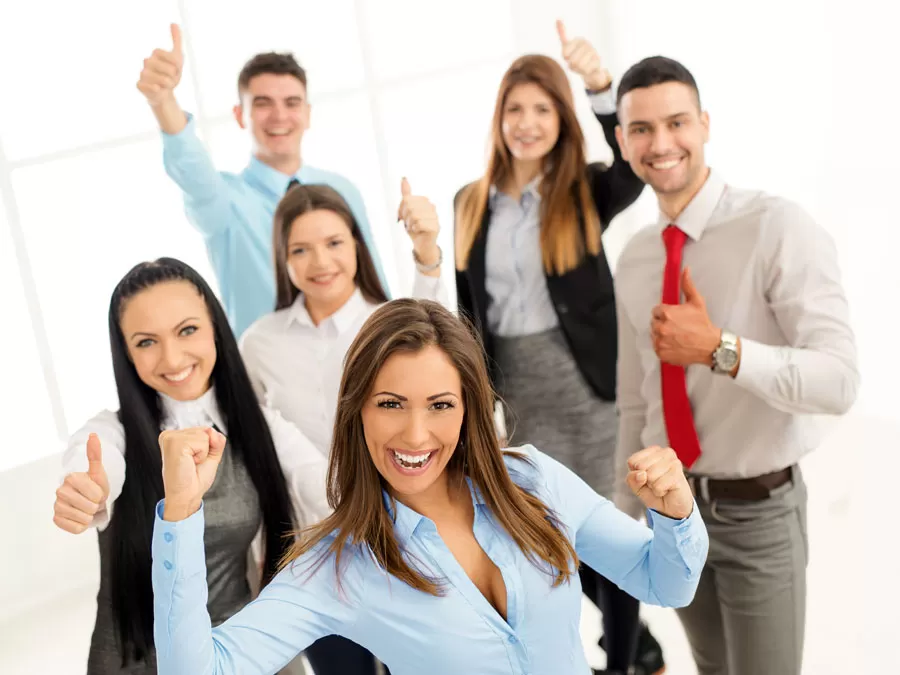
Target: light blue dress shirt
(234,213)
(415,633)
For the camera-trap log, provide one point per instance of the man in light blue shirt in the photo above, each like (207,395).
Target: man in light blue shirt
(234,212)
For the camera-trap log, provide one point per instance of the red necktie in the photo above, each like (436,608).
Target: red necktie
(676,404)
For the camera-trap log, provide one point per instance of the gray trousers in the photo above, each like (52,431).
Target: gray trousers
(748,615)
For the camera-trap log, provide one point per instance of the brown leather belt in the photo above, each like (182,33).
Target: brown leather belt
(747,489)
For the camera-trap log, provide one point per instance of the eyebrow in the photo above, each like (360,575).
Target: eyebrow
(292,99)
(636,123)
(145,334)
(331,237)
(403,398)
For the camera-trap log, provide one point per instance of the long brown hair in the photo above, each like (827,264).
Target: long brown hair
(302,199)
(355,488)
(565,193)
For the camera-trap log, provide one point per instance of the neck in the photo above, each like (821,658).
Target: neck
(523,172)
(288,165)
(445,500)
(673,204)
(319,311)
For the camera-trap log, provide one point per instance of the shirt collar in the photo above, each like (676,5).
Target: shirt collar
(270,179)
(343,319)
(532,189)
(407,522)
(695,217)
(202,411)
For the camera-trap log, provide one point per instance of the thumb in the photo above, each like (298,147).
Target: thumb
(405,189)
(96,472)
(691,294)
(176,39)
(636,481)
(561,30)
(216,444)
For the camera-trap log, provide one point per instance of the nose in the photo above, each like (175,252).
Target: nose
(319,256)
(662,142)
(171,355)
(416,434)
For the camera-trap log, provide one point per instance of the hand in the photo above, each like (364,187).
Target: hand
(82,495)
(656,476)
(420,218)
(162,71)
(683,334)
(583,59)
(190,458)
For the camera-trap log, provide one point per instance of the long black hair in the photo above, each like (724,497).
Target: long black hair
(140,413)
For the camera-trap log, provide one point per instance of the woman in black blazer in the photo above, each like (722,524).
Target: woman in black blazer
(532,276)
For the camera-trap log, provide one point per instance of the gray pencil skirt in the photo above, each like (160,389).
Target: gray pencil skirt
(549,405)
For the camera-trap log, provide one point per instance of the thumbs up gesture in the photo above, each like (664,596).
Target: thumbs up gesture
(420,217)
(583,59)
(83,494)
(656,476)
(684,334)
(190,459)
(162,71)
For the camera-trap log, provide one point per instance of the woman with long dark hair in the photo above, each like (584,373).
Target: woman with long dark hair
(531,273)
(444,554)
(177,365)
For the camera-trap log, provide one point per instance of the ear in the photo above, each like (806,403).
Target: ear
(238,112)
(620,139)
(308,114)
(704,122)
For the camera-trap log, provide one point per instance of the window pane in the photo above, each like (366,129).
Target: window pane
(25,413)
(341,139)
(76,84)
(417,132)
(410,37)
(322,35)
(87,221)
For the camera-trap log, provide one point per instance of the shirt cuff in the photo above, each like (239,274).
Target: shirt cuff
(759,364)
(604,102)
(178,550)
(172,141)
(687,537)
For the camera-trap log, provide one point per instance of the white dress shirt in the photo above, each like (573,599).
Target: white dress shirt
(769,274)
(296,366)
(303,465)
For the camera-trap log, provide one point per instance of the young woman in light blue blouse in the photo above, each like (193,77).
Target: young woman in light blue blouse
(444,554)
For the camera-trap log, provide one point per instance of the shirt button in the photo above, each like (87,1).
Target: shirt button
(512,639)
(562,308)
(167,565)
(168,536)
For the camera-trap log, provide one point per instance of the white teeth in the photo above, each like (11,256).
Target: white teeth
(179,376)
(418,460)
(279,132)
(665,165)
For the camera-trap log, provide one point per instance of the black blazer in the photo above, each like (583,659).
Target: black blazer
(583,297)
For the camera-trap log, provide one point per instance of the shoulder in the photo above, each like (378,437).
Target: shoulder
(528,467)
(638,245)
(266,326)
(104,422)
(777,218)
(465,191)
(337,181)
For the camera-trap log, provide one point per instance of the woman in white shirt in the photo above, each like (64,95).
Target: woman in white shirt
(177,365)
(327,287)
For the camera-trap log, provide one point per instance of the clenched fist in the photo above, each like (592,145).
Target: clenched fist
(162,71)
(420,217)
(83,494)
(190,459)
(583,59)
(656,476)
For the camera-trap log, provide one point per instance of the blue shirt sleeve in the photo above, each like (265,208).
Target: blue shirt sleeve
(207,194)
(297,608)
(658,565)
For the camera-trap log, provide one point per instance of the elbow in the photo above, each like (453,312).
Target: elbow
(845,391)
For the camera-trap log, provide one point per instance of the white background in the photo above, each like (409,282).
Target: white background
(802,97)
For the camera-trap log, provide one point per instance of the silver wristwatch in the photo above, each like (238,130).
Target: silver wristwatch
(433,266)
(725,358)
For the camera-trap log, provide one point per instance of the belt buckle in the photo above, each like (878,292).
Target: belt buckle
(699,486)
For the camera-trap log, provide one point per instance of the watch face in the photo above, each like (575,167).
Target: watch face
(726,359)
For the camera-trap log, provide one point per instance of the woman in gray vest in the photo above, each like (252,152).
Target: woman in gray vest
(176,365)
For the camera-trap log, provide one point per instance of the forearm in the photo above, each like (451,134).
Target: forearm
(171,118)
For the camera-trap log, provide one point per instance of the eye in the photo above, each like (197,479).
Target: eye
(677,124)
(443,405)
(146,342)
(389,403)
(297,250)
(187,330)
(335,243)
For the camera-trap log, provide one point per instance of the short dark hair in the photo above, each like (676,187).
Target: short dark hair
(270,62)
(652,71)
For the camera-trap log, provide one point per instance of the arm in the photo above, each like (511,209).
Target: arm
(818,372)
(248,346)
(298,607)
(305,468)
(617,187)
(632,408)
(659,566)
(109,430)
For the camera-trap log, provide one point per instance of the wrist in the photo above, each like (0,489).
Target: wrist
(427,255)
(598,83)
(175,511)
(711,343)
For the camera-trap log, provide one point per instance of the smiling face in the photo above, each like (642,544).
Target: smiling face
(530,122)
(170,339)
(662,135)
(412,421)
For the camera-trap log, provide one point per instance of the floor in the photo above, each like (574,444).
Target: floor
(854,600)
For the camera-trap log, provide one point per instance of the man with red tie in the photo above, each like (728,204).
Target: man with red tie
(733,331)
